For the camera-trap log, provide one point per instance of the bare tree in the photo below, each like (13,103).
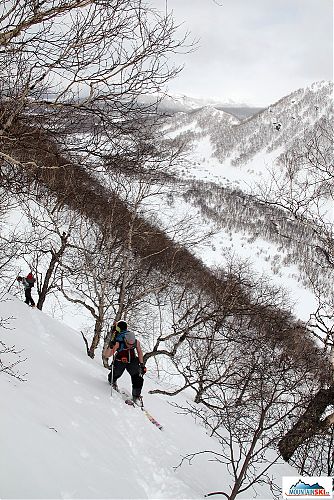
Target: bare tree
(10,356)
(11,249)
(91,275)
(109,279)
(315,457)
(9,359)
(78,67)
(45,239)
(249,394)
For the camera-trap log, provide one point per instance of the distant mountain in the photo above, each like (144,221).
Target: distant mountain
(277,126)
(200,122)
(241,112)
(181,103)
(270,129)
(185,103)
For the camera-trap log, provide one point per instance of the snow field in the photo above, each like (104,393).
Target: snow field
(62,436)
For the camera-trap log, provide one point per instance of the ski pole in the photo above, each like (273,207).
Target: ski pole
(112,374)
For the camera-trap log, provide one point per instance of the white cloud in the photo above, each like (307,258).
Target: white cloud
(258,50)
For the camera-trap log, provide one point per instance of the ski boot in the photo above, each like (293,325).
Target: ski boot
(138,400)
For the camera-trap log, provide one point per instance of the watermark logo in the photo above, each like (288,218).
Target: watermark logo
(307,487)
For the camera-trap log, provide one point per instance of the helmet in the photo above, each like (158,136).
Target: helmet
(121,326)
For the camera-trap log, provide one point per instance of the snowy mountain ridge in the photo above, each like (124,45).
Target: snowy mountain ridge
(270,130)
(182,103)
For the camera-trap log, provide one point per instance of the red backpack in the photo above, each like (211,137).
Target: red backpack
(31,280)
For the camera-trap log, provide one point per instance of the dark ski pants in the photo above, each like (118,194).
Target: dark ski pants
(133,369)
(29,300)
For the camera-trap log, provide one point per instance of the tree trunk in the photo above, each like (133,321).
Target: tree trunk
(308,424)
(96,338)
(54,260)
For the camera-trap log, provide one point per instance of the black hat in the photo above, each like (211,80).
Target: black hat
(121,326)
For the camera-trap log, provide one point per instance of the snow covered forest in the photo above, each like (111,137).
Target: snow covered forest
(211,235)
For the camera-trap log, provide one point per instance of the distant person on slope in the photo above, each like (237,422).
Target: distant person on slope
(122,348)
(28,283)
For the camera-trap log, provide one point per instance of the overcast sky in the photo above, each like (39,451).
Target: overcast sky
(253,51)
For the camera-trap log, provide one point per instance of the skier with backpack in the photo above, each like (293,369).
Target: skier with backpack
(122,349)
(28,282)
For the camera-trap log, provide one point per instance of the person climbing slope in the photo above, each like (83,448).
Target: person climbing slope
(127,355)
(28,283)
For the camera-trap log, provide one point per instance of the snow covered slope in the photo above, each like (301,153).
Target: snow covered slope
(63,436)
(228,161)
